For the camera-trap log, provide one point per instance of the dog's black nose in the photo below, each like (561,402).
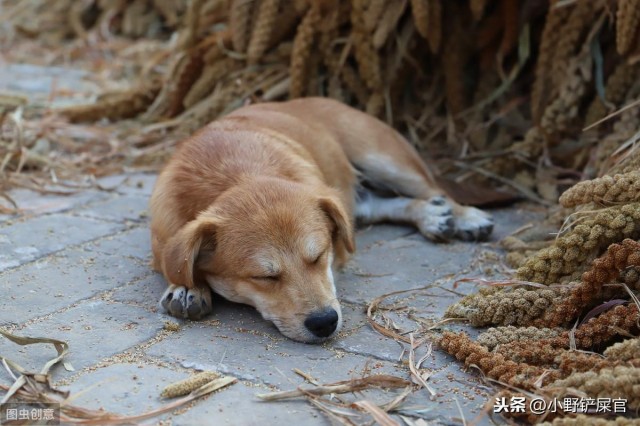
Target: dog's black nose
(322,323)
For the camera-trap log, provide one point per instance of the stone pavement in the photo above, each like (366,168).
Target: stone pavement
(76,268)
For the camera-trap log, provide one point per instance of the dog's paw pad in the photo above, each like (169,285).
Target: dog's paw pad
(186,303)
(437,228)
(473,225)
(435,219)
(438,201)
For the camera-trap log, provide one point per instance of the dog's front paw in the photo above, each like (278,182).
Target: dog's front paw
(436,220)
(191,303)
(473,225)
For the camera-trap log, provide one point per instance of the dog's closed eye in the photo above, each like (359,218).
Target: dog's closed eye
(317,259)
(267,278)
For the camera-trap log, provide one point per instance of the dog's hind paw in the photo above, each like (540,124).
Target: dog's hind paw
(436,220)
(473,225)
(191,303)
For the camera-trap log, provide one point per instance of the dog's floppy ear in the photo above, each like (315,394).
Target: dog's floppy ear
(343,227)
(182,250)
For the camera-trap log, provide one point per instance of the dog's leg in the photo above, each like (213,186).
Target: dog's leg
(433,218)
(407,175)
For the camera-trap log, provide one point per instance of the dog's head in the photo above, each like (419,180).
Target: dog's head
(269,244)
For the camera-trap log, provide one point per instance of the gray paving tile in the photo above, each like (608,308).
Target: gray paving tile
(95,329)
(31,239)
(118,208)
(55,282)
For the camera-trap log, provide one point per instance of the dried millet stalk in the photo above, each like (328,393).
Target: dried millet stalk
(572,33)
(624,351)
(620,188)
(617,382)
(302,50)
(434,30)
(553,24)
(631,277)
(420,12)
(616,89)
(186,386)
(627,23)
(365,53)
(373,13)
(388,23)
(114,107)
(601,329)
(560,113)
(208,80)
(606,269)
(502,307)
(502,335)
(533,352)
(576,247)
(570,362)
(493,365)
(454,65)
(624,128)
(240,17)
(263,30)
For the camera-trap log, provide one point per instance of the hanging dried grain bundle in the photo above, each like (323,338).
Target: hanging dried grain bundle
(571,251)
(609,158)
(287,20)
(460,309)
(184,72)
(208,80)
(573,32)
(434,29)
(389,22)
(606,269)
(365,53)
(240,20)
(115,106)
(541,353)
(619,321)
(570,362)
(510,10)
(518,306)
(624,351)
(564,109)
(630,276)
(302,50)
(420,13)
(616,90)
(502,335)
(613,383)
(373,12)
(627,25)
(542,88)
(620,188)
(454,64)
(262,30)
(494,365)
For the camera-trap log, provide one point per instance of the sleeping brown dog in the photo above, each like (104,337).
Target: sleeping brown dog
(259,205)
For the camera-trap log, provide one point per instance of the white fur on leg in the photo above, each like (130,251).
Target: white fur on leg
(433,218)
